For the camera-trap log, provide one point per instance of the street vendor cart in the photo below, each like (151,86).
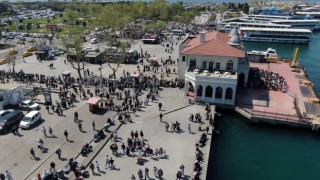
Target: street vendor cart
(94,104)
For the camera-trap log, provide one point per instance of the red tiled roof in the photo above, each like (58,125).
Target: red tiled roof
(215,45)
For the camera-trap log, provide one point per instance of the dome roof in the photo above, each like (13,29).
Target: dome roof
(235,40)
(234,31)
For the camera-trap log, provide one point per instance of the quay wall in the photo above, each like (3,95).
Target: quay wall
(270,120)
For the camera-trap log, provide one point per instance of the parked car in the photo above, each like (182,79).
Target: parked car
(3,61)
(13,52)
(10,120)
(26,54)
(88,49)
(30,49)
(20,42)
(30,40)
(5,112)
(29,104)
(30,119)
(94,41)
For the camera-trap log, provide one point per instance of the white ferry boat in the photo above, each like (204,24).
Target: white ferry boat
(299,36)
(311,24)
(229,26)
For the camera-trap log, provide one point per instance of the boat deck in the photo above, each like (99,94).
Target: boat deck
(277,105)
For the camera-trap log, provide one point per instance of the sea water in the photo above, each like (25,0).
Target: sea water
(245,151)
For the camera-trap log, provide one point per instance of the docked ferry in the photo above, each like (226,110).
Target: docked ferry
(311,24)
(229,26)
(296,36)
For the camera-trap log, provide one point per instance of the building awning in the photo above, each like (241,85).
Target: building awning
(94,100)
(92,55)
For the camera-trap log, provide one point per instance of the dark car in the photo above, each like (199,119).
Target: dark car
(10,120)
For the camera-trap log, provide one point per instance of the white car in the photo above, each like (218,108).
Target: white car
(30,119)
(29,104)
(5,112)
(94,41)
(88,49)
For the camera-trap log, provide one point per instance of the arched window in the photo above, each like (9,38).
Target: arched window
(208,91)
(199,90)
(218,92)
(229,65)
(229,93)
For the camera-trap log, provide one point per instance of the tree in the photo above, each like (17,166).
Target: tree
(12,60)
(115,66)
(71,16)
(29,26)
(84,24)
(74,44)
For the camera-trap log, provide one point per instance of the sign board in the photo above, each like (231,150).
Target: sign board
(51,27)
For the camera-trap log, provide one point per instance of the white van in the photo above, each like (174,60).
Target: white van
(30,119)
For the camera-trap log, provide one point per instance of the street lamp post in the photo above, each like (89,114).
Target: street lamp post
(100,69)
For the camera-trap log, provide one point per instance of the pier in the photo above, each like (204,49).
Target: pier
(297,107)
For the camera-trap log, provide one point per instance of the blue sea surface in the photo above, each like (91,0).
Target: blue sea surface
(245,151)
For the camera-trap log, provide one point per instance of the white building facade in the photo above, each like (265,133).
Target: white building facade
(213,66)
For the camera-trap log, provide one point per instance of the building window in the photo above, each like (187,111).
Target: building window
(211,66)
(183,58)
(218,65)
(208,91)
(199,90)
(218,94)
(229,93)
(204,65)
(193,63)
(229,65)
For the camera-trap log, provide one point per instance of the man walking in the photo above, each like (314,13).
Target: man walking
(66,134)
(93,125)
(8,175)
(160,105)
(161,115)
(32,153)
(92,168)
(107,162)
(44,131)
(50,132)
(98,166)
(189,128)
(80,126)
(58,152)
(146,173)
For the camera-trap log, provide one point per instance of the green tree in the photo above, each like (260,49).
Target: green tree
(74,45)
(71,16)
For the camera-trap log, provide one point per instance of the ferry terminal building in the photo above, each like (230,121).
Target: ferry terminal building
(213,65)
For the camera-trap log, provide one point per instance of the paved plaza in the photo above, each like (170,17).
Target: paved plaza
(180,147)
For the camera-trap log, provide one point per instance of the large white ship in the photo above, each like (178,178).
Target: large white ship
(299,36)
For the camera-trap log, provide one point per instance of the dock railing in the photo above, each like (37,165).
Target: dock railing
(273,115)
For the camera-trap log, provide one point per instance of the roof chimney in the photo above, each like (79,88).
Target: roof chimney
(202,37)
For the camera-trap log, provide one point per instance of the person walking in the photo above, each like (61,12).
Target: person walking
(107,162)
(98,166)
(140,174)
(44,131)
(155,170)
(160,105)
(53,167)
(111,162)
(189,128)
(179,175)
(207,129)
(50,132)
(123,147)
(93,125)
(160,173)
(146,173)
(80,126)
(161,115)
(92,168)
(58,152)
(8,175)
(76,115)
(181,168)
(66,134)
(141,134)
(32,153)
